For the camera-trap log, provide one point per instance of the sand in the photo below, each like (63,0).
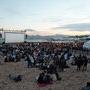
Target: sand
(71,79)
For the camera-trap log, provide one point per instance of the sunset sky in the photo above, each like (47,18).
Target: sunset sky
(46,17)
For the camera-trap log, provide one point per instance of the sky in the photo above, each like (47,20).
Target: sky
(46,17)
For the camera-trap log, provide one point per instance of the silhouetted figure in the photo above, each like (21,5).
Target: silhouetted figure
(62,63)
(28,61)
(85,62)
(79,63)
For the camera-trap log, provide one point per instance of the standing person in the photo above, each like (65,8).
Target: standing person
(62,63)
(66,56)
(28,61)
(85,62)
(79,63)
(32,60)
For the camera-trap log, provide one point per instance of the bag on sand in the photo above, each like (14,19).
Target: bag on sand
(15,77)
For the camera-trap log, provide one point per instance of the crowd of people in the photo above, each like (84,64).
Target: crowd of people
(50,57)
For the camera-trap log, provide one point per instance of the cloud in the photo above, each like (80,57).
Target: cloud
(51,19)
(75,27)
(31,30)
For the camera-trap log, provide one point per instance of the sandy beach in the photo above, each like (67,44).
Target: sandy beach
(71,79)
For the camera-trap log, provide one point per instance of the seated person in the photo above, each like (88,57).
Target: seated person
(44,78)
(40,78)
(53,70)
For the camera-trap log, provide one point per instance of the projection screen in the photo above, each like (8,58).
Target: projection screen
(11,37)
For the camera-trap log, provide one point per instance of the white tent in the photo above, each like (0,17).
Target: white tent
(87,45)
(14,37)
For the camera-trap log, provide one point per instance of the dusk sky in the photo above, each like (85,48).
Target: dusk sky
(46,17)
